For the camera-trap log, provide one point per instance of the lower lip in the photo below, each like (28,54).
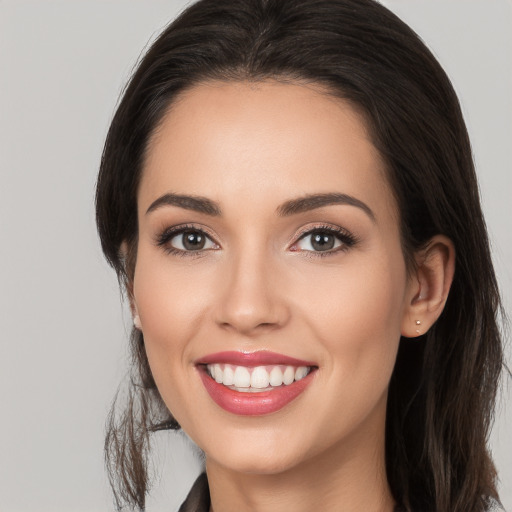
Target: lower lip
(253,404)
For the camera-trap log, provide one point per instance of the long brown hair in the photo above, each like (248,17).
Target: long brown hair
(443,389)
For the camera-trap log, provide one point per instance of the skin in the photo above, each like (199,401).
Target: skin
(258,285)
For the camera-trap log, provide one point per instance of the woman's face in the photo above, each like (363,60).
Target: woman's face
(268,231)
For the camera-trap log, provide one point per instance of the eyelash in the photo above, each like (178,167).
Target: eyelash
(347,240)
(163,239)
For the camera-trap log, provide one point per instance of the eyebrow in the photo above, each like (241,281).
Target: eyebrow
(292,207)
(196,203)
(313,201)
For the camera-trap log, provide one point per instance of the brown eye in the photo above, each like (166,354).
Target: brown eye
(193,240)
(190,240)
(328,240)
(322,241)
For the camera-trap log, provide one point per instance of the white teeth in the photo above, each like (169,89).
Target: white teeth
(300,372)
(242,378)
(256,379)
(289,375)
(259,378)
(276,377)
(229,376)
(217,373)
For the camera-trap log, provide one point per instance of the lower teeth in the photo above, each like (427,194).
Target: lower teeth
(251,390)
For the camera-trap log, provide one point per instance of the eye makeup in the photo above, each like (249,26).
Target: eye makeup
(326,240)
(322,235)
(164,238)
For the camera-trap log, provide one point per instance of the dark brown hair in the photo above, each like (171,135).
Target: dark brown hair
(443,388)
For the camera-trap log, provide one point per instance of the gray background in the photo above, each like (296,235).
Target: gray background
(63,346)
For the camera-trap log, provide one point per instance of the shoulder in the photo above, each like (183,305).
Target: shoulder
(198,499)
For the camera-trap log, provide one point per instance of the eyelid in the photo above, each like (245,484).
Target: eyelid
(164,236)
(346,238)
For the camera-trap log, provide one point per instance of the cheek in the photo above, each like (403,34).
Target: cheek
(356,309)
(169,304)
(364,292)
(168,296)
(357,318)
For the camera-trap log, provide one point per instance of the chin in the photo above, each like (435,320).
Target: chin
(254,463)
(262,451)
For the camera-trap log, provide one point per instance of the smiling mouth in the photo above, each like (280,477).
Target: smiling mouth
(256,379)
(254,383)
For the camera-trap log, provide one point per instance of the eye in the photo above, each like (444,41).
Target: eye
(191,240)
(183,240)
(325,239)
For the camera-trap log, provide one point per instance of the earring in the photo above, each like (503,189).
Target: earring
(136,322)
(418,323)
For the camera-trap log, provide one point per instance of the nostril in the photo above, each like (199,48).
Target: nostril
(248,327)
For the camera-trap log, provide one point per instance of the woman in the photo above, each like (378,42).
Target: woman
(288,197)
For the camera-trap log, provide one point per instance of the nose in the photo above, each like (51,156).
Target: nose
(252,301)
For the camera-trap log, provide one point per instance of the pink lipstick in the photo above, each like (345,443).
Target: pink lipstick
(262,357)
(254,383)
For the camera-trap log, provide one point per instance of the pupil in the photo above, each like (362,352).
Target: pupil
(322,242)
(193,241)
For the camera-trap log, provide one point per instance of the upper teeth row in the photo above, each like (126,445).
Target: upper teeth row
(258,377)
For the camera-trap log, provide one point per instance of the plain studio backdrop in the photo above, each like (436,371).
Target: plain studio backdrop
(63,350)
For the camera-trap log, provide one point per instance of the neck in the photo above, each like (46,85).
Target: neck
(351,475)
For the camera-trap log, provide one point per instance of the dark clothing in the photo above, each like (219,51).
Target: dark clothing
(198,499)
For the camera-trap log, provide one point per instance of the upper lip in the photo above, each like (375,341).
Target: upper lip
(257,358)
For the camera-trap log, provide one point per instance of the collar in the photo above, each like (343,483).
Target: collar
(198,499)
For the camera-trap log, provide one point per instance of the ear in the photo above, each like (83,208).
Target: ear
(136,319)
(123,249)
(429,286)
(135,312)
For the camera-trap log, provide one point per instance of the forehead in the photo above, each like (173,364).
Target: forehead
(263,143)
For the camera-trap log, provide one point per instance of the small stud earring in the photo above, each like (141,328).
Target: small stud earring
(418,323)
(136,321)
